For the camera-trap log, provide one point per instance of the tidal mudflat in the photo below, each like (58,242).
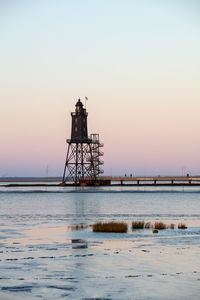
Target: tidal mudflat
(48,249)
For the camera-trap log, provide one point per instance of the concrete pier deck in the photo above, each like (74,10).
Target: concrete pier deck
(114,181)
(158,180)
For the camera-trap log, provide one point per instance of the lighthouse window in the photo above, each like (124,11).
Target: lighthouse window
(76,129)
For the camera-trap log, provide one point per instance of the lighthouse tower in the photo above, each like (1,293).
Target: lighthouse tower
(81,160)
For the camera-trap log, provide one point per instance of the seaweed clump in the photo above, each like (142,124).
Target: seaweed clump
(182,226)
(138,224)
(160,225)
(117,227)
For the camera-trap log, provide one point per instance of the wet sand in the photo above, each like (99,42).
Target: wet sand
(44,256)
(56,262)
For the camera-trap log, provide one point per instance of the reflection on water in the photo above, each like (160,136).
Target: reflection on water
(48,249)
(81,205)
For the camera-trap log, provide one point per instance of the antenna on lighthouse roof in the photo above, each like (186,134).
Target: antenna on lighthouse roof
(86,99)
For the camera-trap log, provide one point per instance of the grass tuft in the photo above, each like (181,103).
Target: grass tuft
(182,226)
(160,225)
(138,224)
(119,227)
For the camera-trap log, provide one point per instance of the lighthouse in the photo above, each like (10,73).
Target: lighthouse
(83,152)
(79,133)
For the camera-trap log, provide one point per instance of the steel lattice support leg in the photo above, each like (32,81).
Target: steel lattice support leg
(79,162)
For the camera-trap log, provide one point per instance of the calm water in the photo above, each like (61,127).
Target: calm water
(42,256)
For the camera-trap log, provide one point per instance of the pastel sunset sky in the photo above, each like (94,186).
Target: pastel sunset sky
(138,62)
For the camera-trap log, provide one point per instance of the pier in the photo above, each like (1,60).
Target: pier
(144,181)
(156,181)
(105,181)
